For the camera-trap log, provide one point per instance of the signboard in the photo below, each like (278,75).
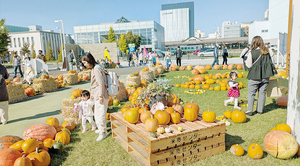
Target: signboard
(131,47)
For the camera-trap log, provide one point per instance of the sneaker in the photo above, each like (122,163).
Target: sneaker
(97,131)
(249,113)
(101,136)
(225,103)
(84,130)
(237,107)
(94,128)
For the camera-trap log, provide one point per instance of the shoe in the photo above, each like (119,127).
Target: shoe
(250,113)
(84,130)
(101,136)
(97,131)
(237,107)
(3,123)
(225,103)
(94,128)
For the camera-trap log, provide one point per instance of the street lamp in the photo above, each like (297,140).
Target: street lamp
(64,46)
(60,38)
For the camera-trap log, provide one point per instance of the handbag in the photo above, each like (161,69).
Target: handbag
(248,61)
(273,66)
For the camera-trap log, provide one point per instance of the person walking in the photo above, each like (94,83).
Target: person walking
(216,54)
(154,56)
(129,58)
(99,93)
(17,64)
(178,54)
(225,55)
(168,59)
(141,58)
(259,74)
(70,58)
(3,95)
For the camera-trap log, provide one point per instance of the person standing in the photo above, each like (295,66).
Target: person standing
(70,58)
(259,74)
(244,57)
(225,55)
(129,57)
(168,59)
(3,95)
(178,54)
(39,56)
(216,54)
(141,58)
(154,56)
(17,64)
(99,93)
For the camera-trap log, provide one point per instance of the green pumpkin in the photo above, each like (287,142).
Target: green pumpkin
(153,134)
(57,147)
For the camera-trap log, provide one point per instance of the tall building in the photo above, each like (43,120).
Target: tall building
(245,29)
(151,33)
(178,20)
(231,29)
(199,34)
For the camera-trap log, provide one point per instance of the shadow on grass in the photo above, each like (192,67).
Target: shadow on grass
(232,140)
(271,106)
(29,98)
(46,114)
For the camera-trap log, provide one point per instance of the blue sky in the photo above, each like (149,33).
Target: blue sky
(209,14)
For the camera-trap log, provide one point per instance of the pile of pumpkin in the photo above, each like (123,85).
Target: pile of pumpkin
(15,80)
(278,143)
(202,69)
(29,91)
(38,141)
(59,79)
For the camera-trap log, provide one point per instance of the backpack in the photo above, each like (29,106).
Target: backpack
(112,83)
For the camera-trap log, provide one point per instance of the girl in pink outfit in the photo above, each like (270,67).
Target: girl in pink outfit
(86,110)
(234,92)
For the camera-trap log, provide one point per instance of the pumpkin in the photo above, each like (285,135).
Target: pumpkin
(39,131)
(59,128)
(283,127)
(217,88)
(143,109)
(7,82)
(116,102)
(189,67)
(76,92)
(29,91)
(145,115)
(169,110)
(199,78)
(175,117)
(190,114)
(29,145)
(209,116)
(280,144)
(131,115)
(8,156)
(153,134)
(181,68)
(205,86)
(224,67)
(202,71)
(192,105)
(62,137)
(227,114)
(125,108)
(39,158)
(239,67)
(237,150)
(238,116)
(178,108)
(160,130)
(195,71)
(57,147)
(48,142)
(69,125)
(282,101)
(17,79)
(110,101)
(208,67)
(216,67)
(17,145)
(23,161)
(8,140)
(53,122)
(163,117)
(151,124)
(107,116)
(255,151)
(173,99)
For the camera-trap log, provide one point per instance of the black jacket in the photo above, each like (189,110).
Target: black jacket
(129,57)
(178,53)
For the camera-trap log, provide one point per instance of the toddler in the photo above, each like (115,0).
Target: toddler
(86,110)
(234,91)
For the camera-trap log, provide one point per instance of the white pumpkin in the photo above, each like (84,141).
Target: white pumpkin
(168,130)
(160,130)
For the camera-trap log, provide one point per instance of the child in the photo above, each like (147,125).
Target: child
(86,110)
(30,74)
(234,91)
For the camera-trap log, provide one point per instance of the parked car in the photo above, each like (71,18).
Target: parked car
(206,53)
(160,53)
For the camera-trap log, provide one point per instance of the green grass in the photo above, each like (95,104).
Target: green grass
(84,150)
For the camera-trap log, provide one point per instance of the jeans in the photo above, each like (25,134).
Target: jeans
(261,87)
(216,60)
(129,63)
(178,61)
(168,61)
(16,68)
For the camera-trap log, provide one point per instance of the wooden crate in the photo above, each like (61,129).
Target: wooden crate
(197,141)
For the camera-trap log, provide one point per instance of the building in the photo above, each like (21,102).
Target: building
(151,33)
(245,29)
(35,35)
(199,34)
(178,20)
(231,29)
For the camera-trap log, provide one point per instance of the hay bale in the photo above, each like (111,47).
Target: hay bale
(71,78)
(122,96)
(15,92)
(160,69)
(68,112)
(154,70)
(133,80)
(86,73)
(44,85)
(146,76)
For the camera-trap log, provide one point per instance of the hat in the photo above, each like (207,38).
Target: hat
(29,65)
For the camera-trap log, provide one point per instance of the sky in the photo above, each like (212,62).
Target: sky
(209,14)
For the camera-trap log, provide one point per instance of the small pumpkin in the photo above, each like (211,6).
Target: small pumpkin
(110,101)
(18,145)
(175,117)
(69,125)
(168,130)
(153,134)
(23,161)
(238,116)
(283,127)
(76,92)
(255,151)
(190,114)
(53,122)
(282,101)
(178,108)
(39,157)
(160,130)
(151,124)
(163,117)
(49,142)
(169,110)
(58,129)
(192,105)
(29,145)
(145,115)
(209,116)
(8,140)
(227,114)
(237,150)
(62,137)
(107,116)
(131,115)
(57,147)
(8,156)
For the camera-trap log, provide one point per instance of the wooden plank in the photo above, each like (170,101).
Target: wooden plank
(120,134)
(119,125)
(122,143)
(138,159)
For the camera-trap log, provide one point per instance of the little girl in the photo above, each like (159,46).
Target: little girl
(234,92)
(86,110)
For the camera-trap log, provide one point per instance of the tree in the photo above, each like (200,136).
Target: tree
(49,52)
(33,53)
(130,38)
(137,41)
(4,40)
(122,43)
(25,49)
(111,36)
(59,59)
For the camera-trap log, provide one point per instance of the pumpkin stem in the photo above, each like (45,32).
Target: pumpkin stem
(151,116)
(23,155)
(36,150)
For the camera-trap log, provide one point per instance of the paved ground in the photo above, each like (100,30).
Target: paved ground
(39,108)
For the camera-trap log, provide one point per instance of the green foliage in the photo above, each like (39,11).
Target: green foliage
(33,53)
(111,36)
(122,43)
(59,59)
(49,52)
(137,41)
(4,39)
(12,54)
(130,38)
(25,49)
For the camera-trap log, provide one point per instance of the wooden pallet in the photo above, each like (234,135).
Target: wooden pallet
(197,141)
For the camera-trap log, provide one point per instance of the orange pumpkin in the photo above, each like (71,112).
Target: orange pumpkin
(239,67)
(76,92)
(8,156)
(17,79)
(202,71)
(110,101)
(189,67)
(208,67)
(216,67)
(169,110)
(238,116)
(209,116)
(145,115)
(58,128)
(175,117)
(151,124)
(181,68)
(125,108)
(8,140)
(29,91)
(62,137)
(190,114)
(23,161)
(40,132)
(255,151)
(283,127)
(199,78)
(224,67)
(195,71)
(178,108)
(69,125)
(237,150)
(53,122)
(48,142)
(205,86)
(192,105)
(163,117)
(282,101)
(39,158)
(29,145)
(17,145)
(131,115)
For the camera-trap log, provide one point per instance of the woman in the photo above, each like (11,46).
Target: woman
(168,58)
(259,74)
(3,95)
(141,58)
(98,93)
(154,55)
(225,55)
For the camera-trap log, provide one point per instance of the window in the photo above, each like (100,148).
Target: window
(19,42)
(23,40)
(264,31)
(28,41)
(32,40)
(15,45)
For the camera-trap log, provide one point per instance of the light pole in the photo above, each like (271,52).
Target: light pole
(64,46)
(60,39)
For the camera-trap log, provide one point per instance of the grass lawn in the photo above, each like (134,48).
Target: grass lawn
(84,150)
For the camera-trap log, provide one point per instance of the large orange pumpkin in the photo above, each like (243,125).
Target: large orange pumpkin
(163,117)
(280,144)
(40,132)
(69,125)
(29,91)
(8,140)
(8,156)
(178,108)
(238,116)
(17,79)
(145,115)
(190,114)
(239,66)
(40,158)
(192,105)
(282,101)
(76,92)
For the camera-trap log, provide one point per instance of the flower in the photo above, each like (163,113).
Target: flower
(160,87)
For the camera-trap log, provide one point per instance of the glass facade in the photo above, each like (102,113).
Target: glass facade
(13,28)
(151,33)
